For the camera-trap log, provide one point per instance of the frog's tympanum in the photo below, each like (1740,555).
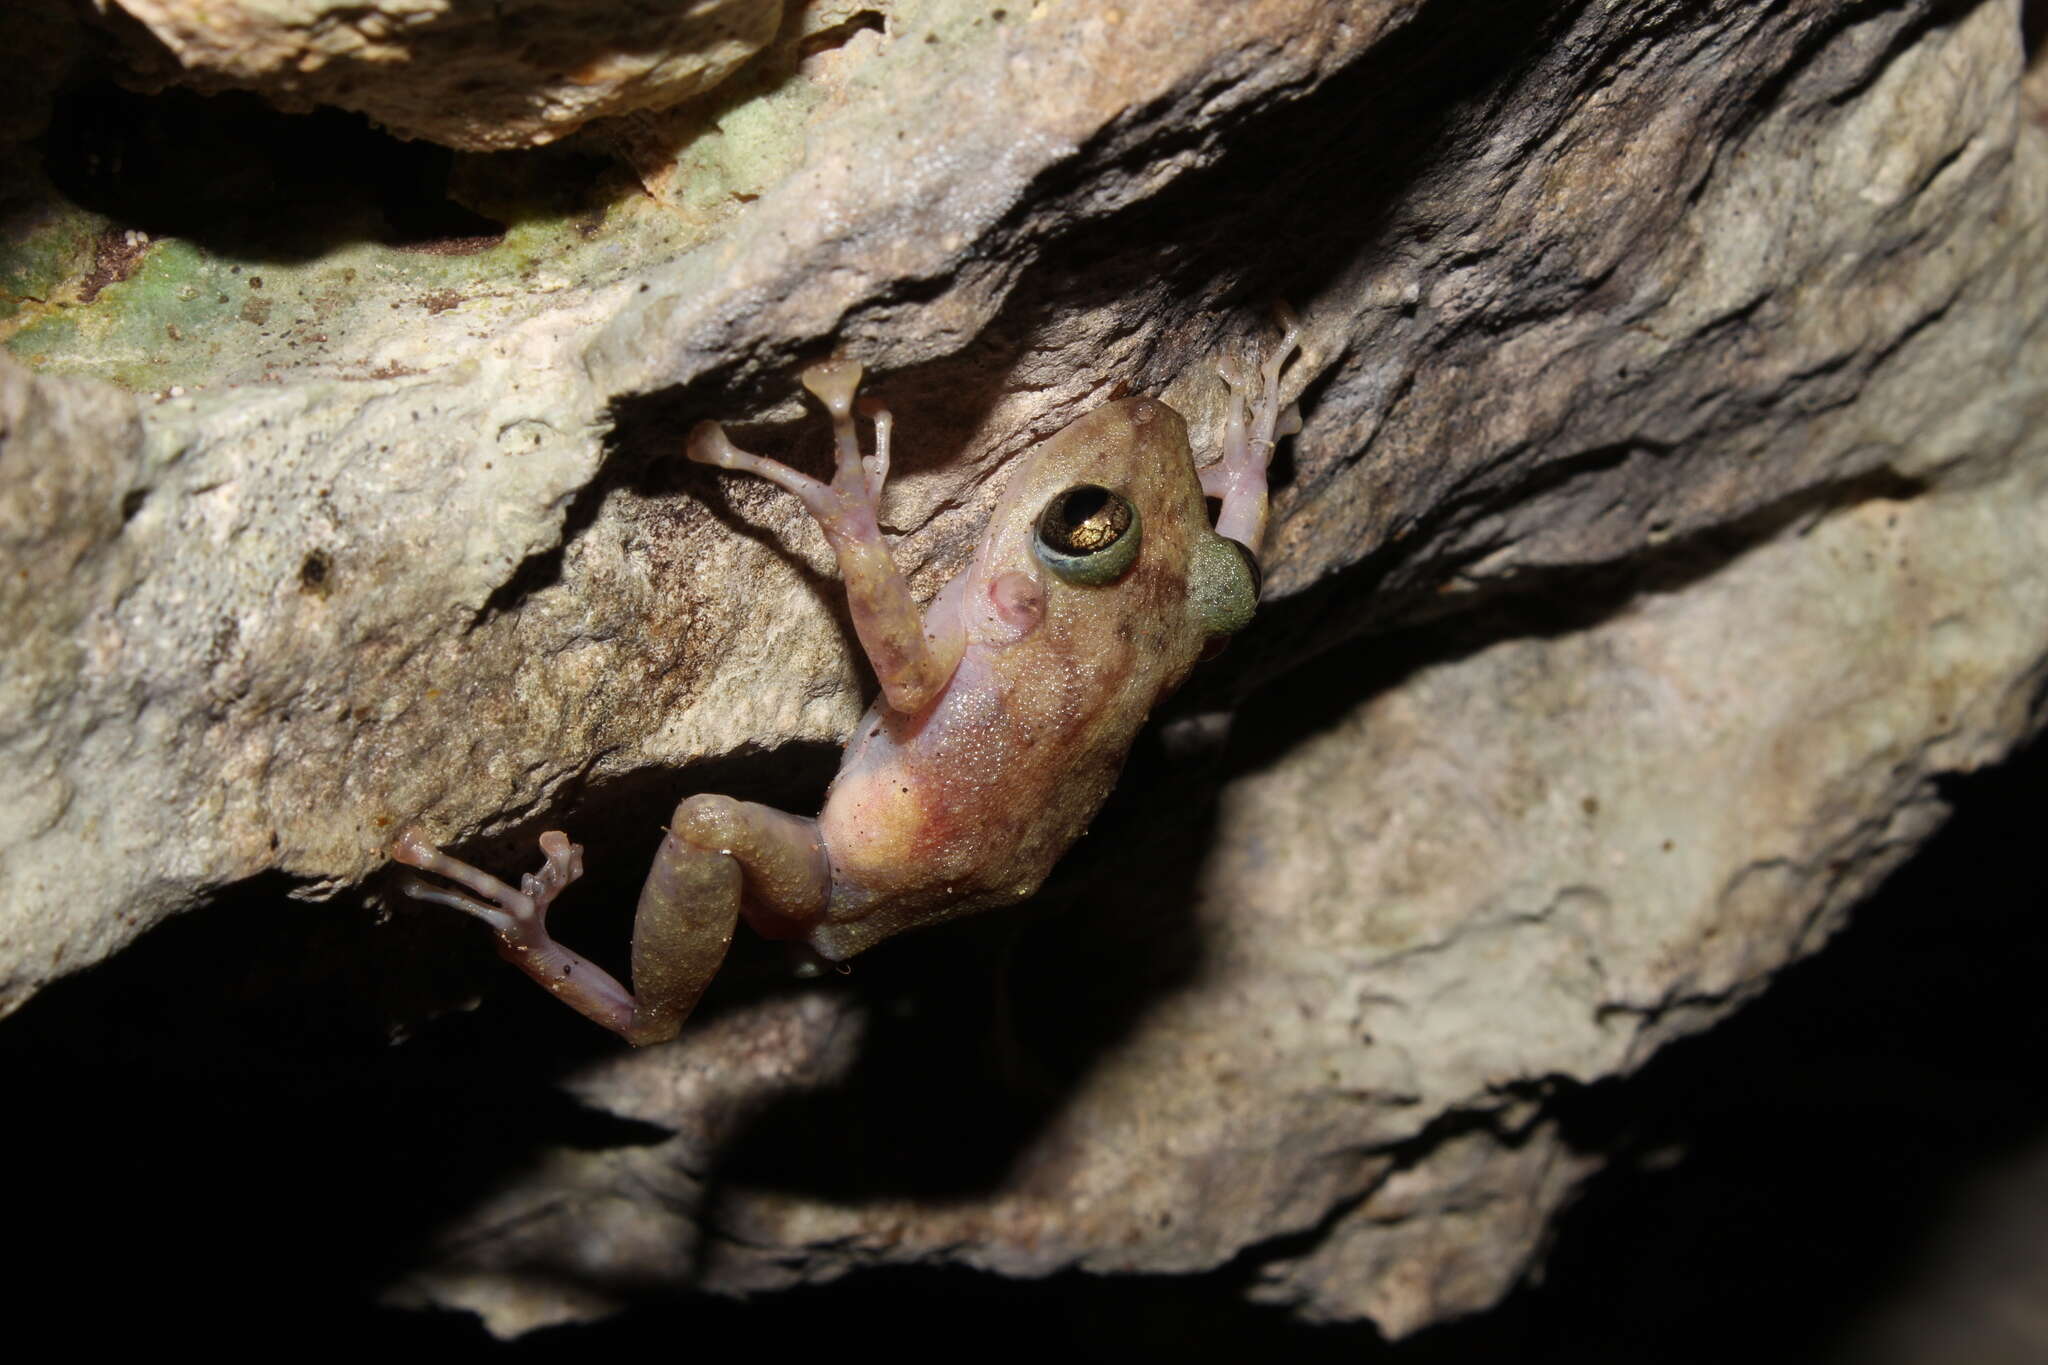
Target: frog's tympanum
(1007,705)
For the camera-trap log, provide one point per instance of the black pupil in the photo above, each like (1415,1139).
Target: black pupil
(1086,519)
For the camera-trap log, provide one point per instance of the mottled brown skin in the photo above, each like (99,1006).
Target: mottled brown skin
(1007,705)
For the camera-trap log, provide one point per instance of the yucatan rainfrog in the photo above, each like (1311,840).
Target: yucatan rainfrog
(1007,705)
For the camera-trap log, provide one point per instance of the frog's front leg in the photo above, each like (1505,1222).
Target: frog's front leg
(716,853)
(1252,427)
(914,654)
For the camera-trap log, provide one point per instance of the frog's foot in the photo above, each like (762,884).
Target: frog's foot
(520,919)
(847,508)
(1253,424)
(514,914)
(913,657)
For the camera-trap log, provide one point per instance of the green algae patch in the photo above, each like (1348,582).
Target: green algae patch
(47,252)
(157,314)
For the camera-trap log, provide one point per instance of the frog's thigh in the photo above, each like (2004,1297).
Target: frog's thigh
(716,851)
(782,856)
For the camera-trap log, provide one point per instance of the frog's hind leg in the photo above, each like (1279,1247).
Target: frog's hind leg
(520,919)
(786,879)
(713,849)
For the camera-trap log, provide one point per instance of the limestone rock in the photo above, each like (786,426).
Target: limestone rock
(1669,517)
(481,75)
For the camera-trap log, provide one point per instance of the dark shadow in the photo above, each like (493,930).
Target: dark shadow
(251,183)
(225,1103)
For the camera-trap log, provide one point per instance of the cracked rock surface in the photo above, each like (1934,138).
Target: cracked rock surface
(1669,517)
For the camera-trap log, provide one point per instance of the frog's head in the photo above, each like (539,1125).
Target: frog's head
(1103,532)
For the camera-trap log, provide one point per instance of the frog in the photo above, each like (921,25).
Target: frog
(1007,705)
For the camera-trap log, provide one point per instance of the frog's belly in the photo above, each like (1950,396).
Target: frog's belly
(898,833)
(971,805)
(909,851)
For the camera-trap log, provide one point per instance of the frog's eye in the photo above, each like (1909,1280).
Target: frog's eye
(1088,535)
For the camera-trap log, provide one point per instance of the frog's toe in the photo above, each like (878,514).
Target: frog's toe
(513,914)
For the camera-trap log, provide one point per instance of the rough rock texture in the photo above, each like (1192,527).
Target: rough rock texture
(1669,517)
(482,75)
